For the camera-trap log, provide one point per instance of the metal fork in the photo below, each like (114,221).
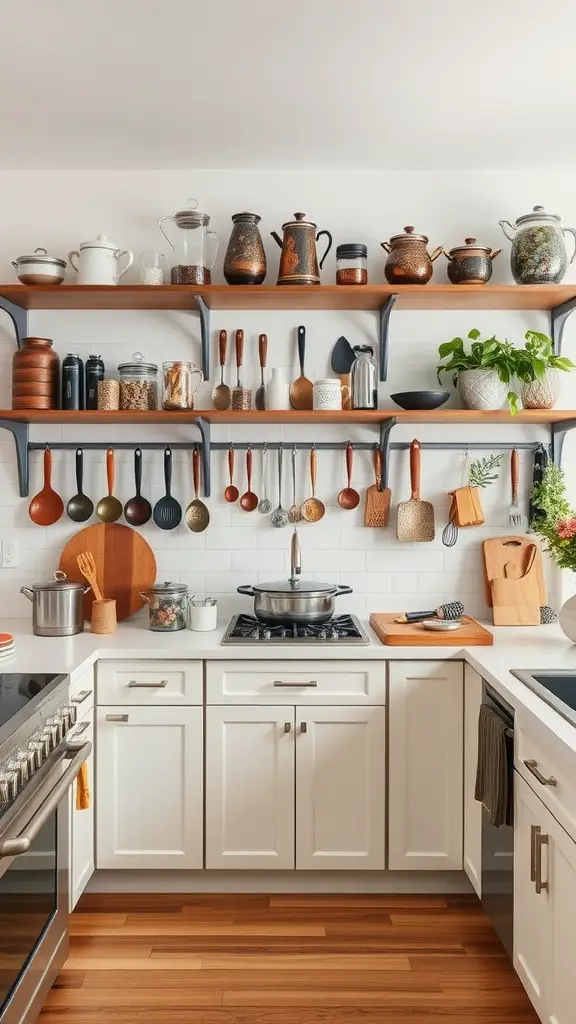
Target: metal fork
(515,515)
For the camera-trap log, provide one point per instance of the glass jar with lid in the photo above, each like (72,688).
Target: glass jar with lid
(138,384)
(167,606)
(193,261)
(351,264)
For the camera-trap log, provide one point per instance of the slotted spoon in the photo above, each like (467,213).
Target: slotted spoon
(294,512)
(279,516)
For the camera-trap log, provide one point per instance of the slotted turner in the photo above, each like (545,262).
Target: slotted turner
(415,518)
(378,496)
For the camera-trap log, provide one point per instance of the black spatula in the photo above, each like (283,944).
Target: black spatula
(341,363)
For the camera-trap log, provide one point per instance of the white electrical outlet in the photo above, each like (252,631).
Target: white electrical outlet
(9,554)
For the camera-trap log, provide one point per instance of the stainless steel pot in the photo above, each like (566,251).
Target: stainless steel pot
(294,600)
(40,268)
(56,606)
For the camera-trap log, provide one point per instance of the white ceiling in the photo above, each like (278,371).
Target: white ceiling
(302,83)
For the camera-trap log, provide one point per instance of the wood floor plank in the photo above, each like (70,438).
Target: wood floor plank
(180,927)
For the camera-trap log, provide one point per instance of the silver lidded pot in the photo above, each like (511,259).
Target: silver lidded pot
(294,600)
(57,608)
(167,606)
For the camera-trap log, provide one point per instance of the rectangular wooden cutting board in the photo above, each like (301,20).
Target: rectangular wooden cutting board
(413,634)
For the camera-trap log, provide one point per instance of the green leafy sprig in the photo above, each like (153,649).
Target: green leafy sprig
(481,472)
(556,514)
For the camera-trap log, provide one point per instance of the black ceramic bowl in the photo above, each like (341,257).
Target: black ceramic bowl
(420,399)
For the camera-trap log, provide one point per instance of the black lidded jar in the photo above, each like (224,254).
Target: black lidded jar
(94,374)
(72,382)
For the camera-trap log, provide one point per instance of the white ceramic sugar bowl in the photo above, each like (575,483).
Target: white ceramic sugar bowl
(99,261)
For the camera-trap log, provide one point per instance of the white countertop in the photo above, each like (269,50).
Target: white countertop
(541,647)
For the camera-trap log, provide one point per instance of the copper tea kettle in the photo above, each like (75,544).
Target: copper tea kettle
(299,260)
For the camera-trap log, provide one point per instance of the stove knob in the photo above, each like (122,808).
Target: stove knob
(323,634)
(267,633)
(334,634)
(256,634)
(14,765)
(9,787)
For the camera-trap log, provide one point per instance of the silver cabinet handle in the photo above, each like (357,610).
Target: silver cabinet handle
(116,718)
(426,679)
(287,726)
(532,767)
(280,682)
(303,726)
(534,831)
(541,841)
(22,843)
(81,696)
(134,684)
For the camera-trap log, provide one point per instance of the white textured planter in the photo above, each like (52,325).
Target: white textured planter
(542,394)
(567,618)
(481,389)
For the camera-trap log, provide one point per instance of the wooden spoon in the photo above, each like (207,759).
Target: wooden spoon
(231,493)
(301,389)
(109,509)
(167,511)
(197,515)
(221,395)
(348,497)
(46,507)
(249,500)
(313,509)
(137,510)
(80,507)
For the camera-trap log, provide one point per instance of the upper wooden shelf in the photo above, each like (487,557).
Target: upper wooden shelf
(289,297)
(160,417)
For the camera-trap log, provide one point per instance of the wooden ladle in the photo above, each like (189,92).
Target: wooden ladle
(231,493)
(348,497)
(249,500)
(46,507)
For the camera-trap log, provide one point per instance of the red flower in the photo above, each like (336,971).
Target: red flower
(566,528)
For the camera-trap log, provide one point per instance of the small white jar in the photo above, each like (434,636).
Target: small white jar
(327,394)
(203,615)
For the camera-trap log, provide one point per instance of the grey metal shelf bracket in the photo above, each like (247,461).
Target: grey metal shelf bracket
(558,317)
(19,318)
(385,429)
(559,431)
(19,432)
(204,312)
(204,428)
(384,319)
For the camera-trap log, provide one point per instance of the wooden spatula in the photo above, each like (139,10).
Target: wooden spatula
(415,518)
(301,389)
(378,495)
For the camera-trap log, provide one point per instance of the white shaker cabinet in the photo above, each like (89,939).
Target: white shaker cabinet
(81,854)
(340,787)
(150,787)
(472,808)
(425,784)
(250,787)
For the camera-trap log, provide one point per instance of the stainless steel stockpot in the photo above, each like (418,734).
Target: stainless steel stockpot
(294,600)
(56,606)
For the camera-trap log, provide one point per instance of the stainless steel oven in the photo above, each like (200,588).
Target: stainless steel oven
(39,759)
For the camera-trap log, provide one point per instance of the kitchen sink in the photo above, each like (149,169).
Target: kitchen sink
(558,689)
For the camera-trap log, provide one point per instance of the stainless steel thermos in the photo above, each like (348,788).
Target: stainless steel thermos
(364,379)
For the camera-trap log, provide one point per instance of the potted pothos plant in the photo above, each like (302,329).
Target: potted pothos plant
(538,369)
(483,373)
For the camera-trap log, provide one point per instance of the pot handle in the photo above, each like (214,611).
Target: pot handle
(328,247)
(434,255)
(71,256)
(144,596)
(449,257)
(86,589)
(503,224)
(27,593)
(343,590)
(247,591)
(386,246)
(496,252)
(571,231)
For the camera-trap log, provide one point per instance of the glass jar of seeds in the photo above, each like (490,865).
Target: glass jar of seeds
(167,606)
(351,264)
(138,384)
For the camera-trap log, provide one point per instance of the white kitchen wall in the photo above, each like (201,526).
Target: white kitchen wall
(60,209)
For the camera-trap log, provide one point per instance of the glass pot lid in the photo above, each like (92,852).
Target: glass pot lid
(138,367)
(59,582)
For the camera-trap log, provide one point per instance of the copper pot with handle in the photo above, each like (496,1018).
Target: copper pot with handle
(299,259)
(409,261)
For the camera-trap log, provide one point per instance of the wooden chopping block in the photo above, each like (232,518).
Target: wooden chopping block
(515,552)
(516,601)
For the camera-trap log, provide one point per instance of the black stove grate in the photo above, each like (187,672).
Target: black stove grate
(339,629)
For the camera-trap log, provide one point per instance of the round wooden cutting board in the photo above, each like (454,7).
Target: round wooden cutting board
(125,565)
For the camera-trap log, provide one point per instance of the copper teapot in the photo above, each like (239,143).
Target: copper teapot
(299,260)
(409,261)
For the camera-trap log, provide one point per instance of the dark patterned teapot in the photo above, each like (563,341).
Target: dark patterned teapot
(299,261)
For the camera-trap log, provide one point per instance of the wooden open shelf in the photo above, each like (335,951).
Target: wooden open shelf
(162,418)
(289,297)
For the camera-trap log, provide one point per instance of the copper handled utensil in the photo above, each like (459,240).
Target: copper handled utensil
(46,507)
(415,518)
(87,567)
(249,500)
(515,515)
(221,394)
(262,354)
(241,397)
(301,389)
(313,509)
(231,492)
(377,496)
(348,497)
(109,509)
(197,514)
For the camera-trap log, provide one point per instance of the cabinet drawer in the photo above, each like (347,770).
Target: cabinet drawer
(296,682)
(149,682)
(545,764)
(82,691)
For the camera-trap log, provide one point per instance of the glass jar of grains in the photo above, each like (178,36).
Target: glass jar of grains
(180,382)
(138,384)
(351,264)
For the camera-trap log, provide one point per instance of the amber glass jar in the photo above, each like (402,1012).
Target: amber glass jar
(351,264)
(35,375)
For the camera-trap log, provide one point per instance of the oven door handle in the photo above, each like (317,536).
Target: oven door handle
(22,843)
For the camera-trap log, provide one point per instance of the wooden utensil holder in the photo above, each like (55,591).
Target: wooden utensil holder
(103,619)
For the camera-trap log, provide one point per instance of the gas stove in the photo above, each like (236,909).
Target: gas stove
(340,629)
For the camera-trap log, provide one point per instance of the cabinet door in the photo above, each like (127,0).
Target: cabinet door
(561,876)
(149,779)
(532,911)
(81,855)
(472,808)
(425,784)
(340,787)
(249,787)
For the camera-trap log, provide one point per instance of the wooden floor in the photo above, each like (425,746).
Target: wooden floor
(166,959)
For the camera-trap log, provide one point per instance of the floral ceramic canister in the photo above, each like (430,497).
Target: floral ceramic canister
(538,254)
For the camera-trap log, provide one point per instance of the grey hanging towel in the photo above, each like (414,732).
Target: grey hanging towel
(493,787)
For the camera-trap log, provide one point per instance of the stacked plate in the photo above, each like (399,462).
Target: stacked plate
(7,645)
